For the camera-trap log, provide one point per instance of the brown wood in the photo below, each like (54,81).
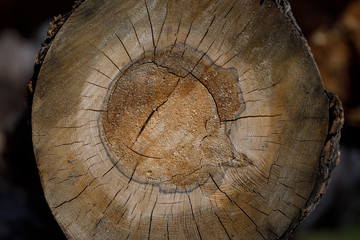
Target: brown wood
(182,120)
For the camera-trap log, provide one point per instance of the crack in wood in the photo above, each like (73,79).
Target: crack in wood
(216,106)
(231,8)
(187,35)
(97,70)
(222,225)
(233,202)
(193,215)
(151,28)
(123,45)
(109,59)
(177,34)
(207,31)
(162,25)
(72,199)
(151,217)
(136,35)
(140,154)
(155,110)
(67,144)
(94,84)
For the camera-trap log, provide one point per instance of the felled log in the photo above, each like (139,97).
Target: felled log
(181,120)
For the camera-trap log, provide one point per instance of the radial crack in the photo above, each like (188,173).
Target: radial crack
(151,27)
(72,199)
(99,86)
(187,35)
(109,59)
(162,26)
(97,70)
(222,225)
(177,35)
(151,217)
(207,31)
(132,175)
(232,6)
(233,202)
(193,215)
(122,43)
(137,37)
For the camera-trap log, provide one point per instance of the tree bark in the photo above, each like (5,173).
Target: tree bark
(181,120)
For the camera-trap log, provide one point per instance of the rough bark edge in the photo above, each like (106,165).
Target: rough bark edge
(285,8)
(53,29)
(328,160)
(330,155)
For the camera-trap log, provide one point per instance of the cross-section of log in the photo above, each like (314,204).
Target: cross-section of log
(181,119)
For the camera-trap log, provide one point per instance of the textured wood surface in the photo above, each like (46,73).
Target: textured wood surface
(182,120)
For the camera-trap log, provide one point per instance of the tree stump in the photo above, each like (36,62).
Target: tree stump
(181,120)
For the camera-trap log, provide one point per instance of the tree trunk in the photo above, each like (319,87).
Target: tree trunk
(181,120)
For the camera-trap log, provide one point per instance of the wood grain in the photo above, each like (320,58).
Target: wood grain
(182,120)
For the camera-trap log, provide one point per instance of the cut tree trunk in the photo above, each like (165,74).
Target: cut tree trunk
(181,119)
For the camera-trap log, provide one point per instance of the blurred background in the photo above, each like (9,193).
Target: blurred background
(332,28)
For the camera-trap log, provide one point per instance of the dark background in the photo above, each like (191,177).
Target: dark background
(332,28)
